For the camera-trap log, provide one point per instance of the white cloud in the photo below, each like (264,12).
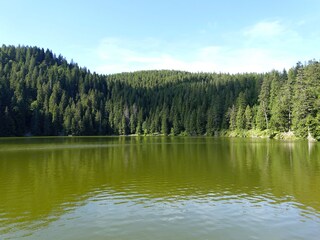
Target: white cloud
(261,47)
(117,56)
(265,29)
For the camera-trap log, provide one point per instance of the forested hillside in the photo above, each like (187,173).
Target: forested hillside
(43,94)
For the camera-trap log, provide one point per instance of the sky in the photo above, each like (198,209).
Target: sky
(111,36)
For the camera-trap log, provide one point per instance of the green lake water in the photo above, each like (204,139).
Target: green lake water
(158,188)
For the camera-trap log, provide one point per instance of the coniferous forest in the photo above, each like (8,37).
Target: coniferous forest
(42,94)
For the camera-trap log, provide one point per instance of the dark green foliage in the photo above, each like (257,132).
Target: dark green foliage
(41,94)
(306,100)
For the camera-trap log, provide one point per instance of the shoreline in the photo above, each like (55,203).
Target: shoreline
(253,133)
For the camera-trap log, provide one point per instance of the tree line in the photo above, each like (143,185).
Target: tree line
(43,94)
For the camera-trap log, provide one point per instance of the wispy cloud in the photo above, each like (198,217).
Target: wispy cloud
(265,29)
(264,46)
(118,55)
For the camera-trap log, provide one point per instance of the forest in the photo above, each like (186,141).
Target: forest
(42,94)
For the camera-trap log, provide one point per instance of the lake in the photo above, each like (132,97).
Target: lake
(159,188)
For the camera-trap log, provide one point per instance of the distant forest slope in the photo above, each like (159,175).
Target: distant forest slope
(43,94)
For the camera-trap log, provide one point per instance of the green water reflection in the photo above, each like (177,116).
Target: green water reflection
(49,185)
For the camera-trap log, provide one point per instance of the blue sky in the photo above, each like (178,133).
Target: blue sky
(211,36)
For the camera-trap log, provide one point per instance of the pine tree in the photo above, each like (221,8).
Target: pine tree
(132,124)
(240,119)
(248,118)
(145,127)
(262,119)
(176,126)
(123,126)
(139,123)
(200,121)
(232,118)
(164,121)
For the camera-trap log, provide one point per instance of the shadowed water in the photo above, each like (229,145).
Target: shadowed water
(158,188)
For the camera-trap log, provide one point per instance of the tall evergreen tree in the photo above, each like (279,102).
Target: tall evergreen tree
(248,118)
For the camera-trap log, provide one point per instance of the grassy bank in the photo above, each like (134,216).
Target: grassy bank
(255,133)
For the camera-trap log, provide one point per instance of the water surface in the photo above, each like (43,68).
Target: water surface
(158,188)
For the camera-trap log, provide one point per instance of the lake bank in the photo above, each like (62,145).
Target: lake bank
(253,133)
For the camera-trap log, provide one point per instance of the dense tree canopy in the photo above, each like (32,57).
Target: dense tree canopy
(43,94)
